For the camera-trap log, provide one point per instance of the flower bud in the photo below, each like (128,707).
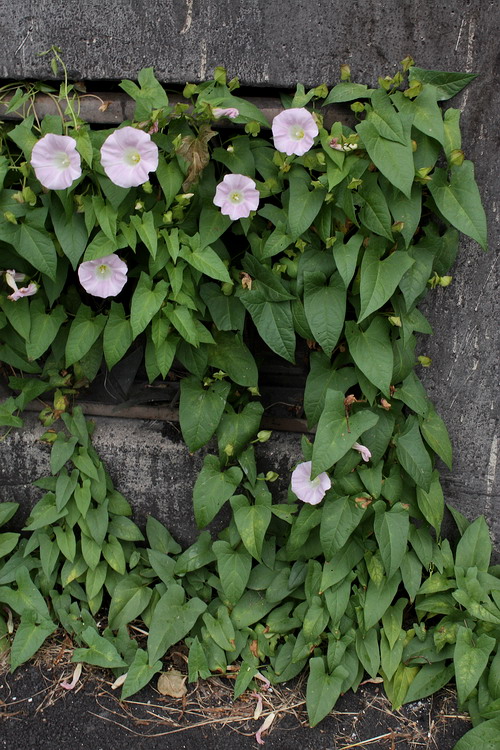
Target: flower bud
(445,280)
(9,216)
(147,187)
(321,91)
(358,107)
(271,476)
(227,288)
(229,449)
(264,435)
(345,72)
(190,89)
(395,320)
(457,157)
(398,226)
(425,361)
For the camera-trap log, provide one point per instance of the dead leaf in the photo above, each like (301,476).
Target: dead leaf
(172,683)
(195,151)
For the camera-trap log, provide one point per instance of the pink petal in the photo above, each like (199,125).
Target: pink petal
(365,452)
(114,152)
(46,160)
(108,284)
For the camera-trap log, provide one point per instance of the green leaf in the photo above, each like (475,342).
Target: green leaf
(430,679)
(252,522)
(231,355)
(83,333)
(139,674)
(200,410)
(170,177)
(29,636)
(474,548)
(100,651)
(234,567)
(447,84)
(459,201)
(304,204)
(379,279)
(44,328)
(18,315)
(435,434)
(227,313)
(431,504)
(117,335)
(160,538)
(130,598)
(374,213)
(413,455)
(113,553)
(207,261)
(274,322)
(346,257)
(385,118)
(371,350)
(341,515)
(322,377)
(334,436)
(347,92)
(197,555)
(37,248)
(394,160)
(62,450)
(484,736)
(212,488)
(367,650)
(323,689)
(172,620)
(236,430)
(391,532)
(149,95)
(8,542)
(325,307)
(145,228)
(470,658)
(379,598)
(146,302)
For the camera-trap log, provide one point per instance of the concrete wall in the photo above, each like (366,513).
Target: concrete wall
(275,43)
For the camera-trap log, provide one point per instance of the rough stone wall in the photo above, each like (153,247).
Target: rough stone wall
(276,44)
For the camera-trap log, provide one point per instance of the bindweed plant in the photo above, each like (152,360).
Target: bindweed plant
(168,235)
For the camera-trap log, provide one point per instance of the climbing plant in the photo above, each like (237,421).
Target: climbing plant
(174,235)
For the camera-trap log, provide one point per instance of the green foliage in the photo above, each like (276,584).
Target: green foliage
(347,239)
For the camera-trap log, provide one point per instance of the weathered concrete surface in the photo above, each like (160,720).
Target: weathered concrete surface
(277,44)
(265,43)
(148,463)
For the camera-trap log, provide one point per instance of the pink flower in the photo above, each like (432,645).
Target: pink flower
(365,453)
(56,161)
(25,291)
(309,490)
(294,131)
(230,112)
(104,277)
(128,156)
(236,196)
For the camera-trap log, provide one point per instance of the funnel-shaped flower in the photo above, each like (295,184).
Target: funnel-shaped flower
(294,131)
(309,490)
(365,452)
(56,161)
(104,277)
(236,196)
(128,156)
(25,291)
(230,112)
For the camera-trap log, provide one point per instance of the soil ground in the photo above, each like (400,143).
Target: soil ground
(36,713)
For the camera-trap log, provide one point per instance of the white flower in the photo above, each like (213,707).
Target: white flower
(309,490)
(103,277)
(128,156)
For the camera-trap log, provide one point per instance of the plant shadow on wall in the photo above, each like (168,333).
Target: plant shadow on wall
(163,234)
